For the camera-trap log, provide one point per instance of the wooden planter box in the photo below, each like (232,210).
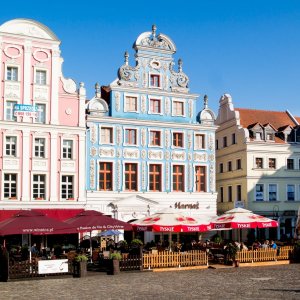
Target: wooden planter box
(79,269)
(113,267)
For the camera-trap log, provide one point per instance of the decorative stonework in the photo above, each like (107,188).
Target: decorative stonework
(143,154)
(119,153)
(93,135)
(178,155)
(143,104)
(211,178)
(167,177)
(167,155)
(190,108)
(69,85)
(41,55)
(190,176)
(12,90)
(68,166)
(106,152)
(145,79)
(119,135)
(40,165)
(143,137)
(117,97)
(40,93)
(167,138)
(92,173)
(12,51)
(211,142)
(190,156)
(129,153)
(167,106)
(119,175)
(165,82)
(68,111)
(144,175)
(190,139)
(155,154)
(200,157)
(211,157)
(157,42)
(10,163)
(93,151)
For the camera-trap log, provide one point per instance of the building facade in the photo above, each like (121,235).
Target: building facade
(258,164)
(147,147)
(42,122)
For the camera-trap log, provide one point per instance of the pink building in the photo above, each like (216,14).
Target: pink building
(42,122)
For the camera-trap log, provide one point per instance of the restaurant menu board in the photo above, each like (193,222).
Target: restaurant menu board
(53,266)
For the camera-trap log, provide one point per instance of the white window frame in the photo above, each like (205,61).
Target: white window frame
(196,147)
(34,144)
(263,192)
(183,139)
(73,186)
(17,185)
(100,134)
(287,191)
(39,183)
(255,164)
(173,107)
(113,173)
(206,177)
(137,136)
(185,176)
(293,163)
(160,80)
(15,67)
(161,138)
(35,76)
(159,98)
(139,178)
(276,185)
(45,112)
(16,145)
(162,177)
(67,147)
(13,119)
(137,96)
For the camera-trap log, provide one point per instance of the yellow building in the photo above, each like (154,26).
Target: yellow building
(258,164)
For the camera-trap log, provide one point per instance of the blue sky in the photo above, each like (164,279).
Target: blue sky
(250,49)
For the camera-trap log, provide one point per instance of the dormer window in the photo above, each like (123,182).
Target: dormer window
(270,137)
(258,136)
(154,80)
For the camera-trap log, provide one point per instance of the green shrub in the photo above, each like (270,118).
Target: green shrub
(115,255)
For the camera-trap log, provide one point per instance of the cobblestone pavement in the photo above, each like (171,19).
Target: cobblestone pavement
(272,282)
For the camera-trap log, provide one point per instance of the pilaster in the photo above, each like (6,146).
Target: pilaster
(25,174)
(54,190)
(56,71)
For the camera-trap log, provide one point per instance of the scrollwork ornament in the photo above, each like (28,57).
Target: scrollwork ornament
(211,178)
(143,138)
(119,136)
(167,106)
(211,142)
(167,177)
(144,175)
(93,136)
(143,106)
(143,154)
(190,135)
(92,174)
(119,175)
(167,138)
(117,97)
(190,108)
(190,177)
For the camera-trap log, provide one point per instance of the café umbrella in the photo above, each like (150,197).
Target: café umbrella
(90,220)
(171,220)
(240,218)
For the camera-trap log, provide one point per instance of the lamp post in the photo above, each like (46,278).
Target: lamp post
(276,216)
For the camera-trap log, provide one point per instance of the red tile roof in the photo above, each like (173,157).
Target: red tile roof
(276,118)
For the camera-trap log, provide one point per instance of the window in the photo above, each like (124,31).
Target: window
(106,135)
(221,168)
(131,103)
(67,187)
(154,80)
(39,187)
(41,113)
(155,178)
(272,192)
(229,166)
(224,141)
(290,164)
(270,137)
(200,141)
(221,194)
(40,77)
(217,144)
(259,162)
(272,163)
(155,107)
(178,108)
(105,176)
(177,139)
(9,111)
(39,147)
(67,149)
(12,73)
(238,164)
(178,178)
(130,136)
(10,186)
(239,192)
(290,192)
(154,138)
(11,146)
(131,177)
(259,192)
(233,141)
(200,179)
(230,193)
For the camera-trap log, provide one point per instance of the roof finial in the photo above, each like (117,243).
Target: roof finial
(126,55)
(97,90)
(154,31)
(180,65)
(205,101)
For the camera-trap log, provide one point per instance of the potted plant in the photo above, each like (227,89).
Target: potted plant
(114,266)
(136,245)
(231,250)
(123,248)
(80,265)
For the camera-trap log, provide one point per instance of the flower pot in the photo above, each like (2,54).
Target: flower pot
(79,269)
(113,267)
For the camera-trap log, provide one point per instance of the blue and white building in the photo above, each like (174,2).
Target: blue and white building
(147,146)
